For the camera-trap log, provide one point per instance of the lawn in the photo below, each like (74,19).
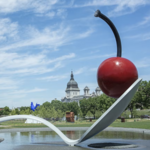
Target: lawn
(142,124)
(21,124)
(130,123)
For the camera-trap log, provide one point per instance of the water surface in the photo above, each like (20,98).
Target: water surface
(50,140)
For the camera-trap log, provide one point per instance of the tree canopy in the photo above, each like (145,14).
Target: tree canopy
(141,99)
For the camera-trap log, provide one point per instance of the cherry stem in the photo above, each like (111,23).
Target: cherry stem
(112,26)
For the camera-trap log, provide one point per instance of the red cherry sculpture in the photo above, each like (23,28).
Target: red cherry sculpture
(116,74)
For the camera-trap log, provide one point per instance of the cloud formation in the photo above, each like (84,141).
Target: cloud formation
(121,7)
(37,6)
(28,64)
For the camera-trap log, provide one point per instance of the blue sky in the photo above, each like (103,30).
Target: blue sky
(42,41)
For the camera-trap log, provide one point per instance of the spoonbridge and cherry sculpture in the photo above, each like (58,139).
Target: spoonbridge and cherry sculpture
(104,121)
(117,77)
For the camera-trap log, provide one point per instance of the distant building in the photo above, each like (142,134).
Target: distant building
(73,92)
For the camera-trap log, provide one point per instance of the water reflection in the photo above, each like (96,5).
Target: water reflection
(24,133)
(13,134)
(29,138)
(70,134)
(123,135)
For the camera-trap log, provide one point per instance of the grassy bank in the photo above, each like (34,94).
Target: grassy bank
(141,124)
(21,124)
(130,123)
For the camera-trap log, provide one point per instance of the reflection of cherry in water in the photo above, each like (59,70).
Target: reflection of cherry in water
(115,74)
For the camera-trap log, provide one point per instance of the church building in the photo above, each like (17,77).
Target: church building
(73,92)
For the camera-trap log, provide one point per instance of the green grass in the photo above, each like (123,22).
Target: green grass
(21,124)
(75,125)
(3,128)
(130,123)
(140,124)
(138,113)
(43,126)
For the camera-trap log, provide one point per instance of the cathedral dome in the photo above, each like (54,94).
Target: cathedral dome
(72,83)
(98,89)
(86,88)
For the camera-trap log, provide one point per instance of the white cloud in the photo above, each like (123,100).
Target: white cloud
(34,70)
(93,69)
(37,6)
(50,14)
(83,34)
(49,37)
(80,70)
(141,37)
(94,57)
(18,98)
(15,60)
(8,29)
(7,84)
(27,64)
(145,22)
(61,13)
(28,91)
(64,57)
(54,78)
(122,7)
(48,8)
(62,76)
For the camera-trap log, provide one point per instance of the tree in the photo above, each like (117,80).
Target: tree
(28,111)
(47,105)
(36,111)
(17,111)
(64,107)
(73,107)
(99,103)
(56,104)
(98,113)
(60,114)
(6,110)
(13,112)
(42,112)
(134,112)
(80,114)
(133,104)
(104,102)
(89,114)
(93,107)
(54,113)
(84,106)
(22,112)
(1,112)
(141,99)
(143,95)
(24,108)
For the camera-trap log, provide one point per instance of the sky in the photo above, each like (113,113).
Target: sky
(42,41)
